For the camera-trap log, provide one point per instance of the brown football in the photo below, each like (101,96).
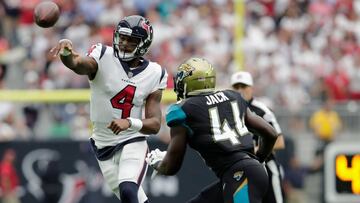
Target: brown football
(46,14)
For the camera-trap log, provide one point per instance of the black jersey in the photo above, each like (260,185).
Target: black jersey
(216,127)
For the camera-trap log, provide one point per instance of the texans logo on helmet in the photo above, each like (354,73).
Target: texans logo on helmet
(145,26)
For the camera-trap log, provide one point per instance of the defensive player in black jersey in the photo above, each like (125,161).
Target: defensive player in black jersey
(243,83)
(217,124)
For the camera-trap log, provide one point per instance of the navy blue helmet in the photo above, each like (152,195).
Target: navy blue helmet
(138,31)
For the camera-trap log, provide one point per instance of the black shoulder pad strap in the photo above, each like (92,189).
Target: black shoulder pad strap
(162,74)
(103,49)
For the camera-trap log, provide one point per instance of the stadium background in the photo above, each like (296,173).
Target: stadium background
(301,53)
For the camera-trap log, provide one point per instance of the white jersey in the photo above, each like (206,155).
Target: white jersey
(118,91)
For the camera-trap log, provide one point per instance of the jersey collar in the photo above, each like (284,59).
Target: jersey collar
(132,72)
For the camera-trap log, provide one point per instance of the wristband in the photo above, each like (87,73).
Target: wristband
(135,124)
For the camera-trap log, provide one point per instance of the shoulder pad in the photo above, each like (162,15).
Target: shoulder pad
(175,116)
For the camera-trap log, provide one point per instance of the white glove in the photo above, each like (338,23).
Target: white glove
(155,157)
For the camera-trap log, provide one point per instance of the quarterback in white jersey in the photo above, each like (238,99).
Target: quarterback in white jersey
(122,85)
(119,95)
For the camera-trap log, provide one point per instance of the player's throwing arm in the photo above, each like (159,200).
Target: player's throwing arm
(82,65)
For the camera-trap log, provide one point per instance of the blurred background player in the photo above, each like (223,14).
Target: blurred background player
(122,82)
(326,125)
(215,123)
(51,182)
(9,180)
(243,83)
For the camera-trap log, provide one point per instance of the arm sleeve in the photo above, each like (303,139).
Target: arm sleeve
(175,116)
(95,51)
(270,118)
(162,81)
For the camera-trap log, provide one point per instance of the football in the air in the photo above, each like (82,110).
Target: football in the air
(46,14)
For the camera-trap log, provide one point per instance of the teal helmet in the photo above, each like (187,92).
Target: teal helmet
(194,76)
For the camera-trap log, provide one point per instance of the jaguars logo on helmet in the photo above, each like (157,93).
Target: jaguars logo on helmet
(194,76)
(134,26)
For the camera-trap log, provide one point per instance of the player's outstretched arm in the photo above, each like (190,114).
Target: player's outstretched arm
(265,130)
(82,65)
(174,157)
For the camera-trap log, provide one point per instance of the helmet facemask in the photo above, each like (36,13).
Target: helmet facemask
(121,50)
(179,85)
